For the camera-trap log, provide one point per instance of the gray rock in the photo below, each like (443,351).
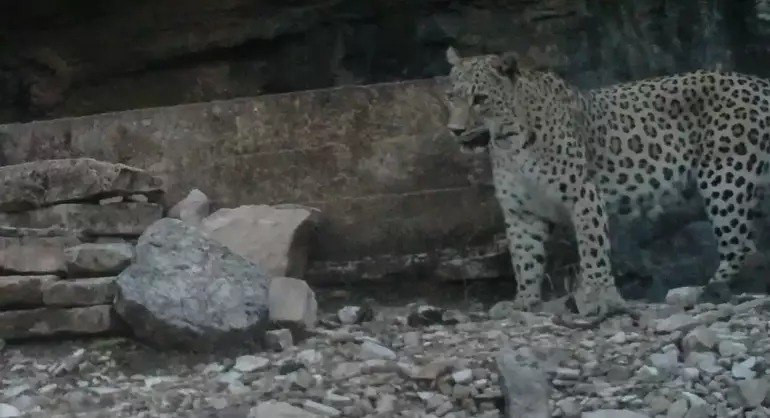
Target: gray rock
(79,292)
(192,209)
(279,339)
(9,411)
(613,413)
(34,251)
(292,304)
(275,409)
(373,350)
(706,362)
(98,259)
(685,297)
(46,322)
(524,385)
(23,291)
(753,391)
(744,369)
(320,409)
(699,339)
(729,348)
(354,314)
(250,363)
(44,183)
(129,219)
(276,238)
(188,291)
(676,322)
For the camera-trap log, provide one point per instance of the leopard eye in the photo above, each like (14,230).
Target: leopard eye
(479,99)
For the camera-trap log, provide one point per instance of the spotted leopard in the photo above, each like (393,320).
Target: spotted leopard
(561,155)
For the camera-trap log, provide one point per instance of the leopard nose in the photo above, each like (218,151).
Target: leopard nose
(457,131)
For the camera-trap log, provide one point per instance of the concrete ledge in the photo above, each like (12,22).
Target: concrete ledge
(396,193)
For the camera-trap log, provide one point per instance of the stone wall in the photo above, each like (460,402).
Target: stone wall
(398,197)
(76,58)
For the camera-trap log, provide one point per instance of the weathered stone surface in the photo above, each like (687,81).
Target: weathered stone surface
(192,209)
(79,292)
(45,183)
(24,291)
(185,290)
(276,238)
(274,409)
(292,303)
(98,259)
(114,219)
(524,385)
(56,321)
(34,251)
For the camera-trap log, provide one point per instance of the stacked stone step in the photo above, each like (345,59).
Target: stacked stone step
(67,228)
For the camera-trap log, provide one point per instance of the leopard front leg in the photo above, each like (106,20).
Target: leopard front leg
(596,292)
(526,235)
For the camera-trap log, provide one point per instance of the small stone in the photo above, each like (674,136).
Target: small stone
(275,409)
(463,376)
(373,350)
(729,348)
(9,411)
(699,339)
(70,363)
(676,322)
(192,209)
(524,386)
(648,374)
(569,407)
(690,374)
(613,413)
(706,362)
(320,409)
(744,369)
(248,364)
(279,339)
(667,361)
(753,391)
(349,315)
(425,315)
(292,303)
(685,297)
(386,404)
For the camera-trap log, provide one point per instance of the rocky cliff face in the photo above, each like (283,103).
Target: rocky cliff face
(78,57)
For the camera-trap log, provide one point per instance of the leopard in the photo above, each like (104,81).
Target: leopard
(563,155)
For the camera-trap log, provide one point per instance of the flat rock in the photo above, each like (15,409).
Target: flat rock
(192,209)
(23,291)
(613,413)
(185,290)
(48,182)
(524,385)
(79,292)
(276,238)
(685,297)
(34,251)
(130,218)
(45,322)
(98,258)
(274,409)
(292,303)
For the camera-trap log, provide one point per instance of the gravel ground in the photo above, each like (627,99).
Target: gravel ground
(417,361)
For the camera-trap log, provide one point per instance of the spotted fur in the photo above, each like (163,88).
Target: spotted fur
(562,155)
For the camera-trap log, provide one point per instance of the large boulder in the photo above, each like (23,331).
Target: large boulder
(275,237)
(44,183)
(185,290)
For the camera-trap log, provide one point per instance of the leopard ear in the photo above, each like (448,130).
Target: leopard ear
(452,56)
(509,64)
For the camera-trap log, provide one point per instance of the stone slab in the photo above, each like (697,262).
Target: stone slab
(34,251)
(23,291)
(44,183)
(47,322)
(79,292)
(98,259)
(125,218)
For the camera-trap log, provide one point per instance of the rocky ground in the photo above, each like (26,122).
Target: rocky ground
(417,361)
